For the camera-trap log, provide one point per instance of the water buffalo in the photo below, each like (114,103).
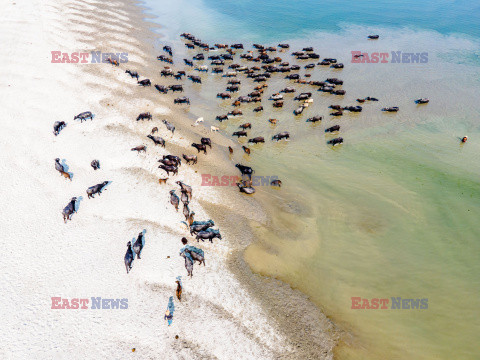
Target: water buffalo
(335,81)
(200,147)
(224,95)
(210,235)
(333,128)
(353,108)
(206,141)
(168,162)
(133,74)
(276,183)
(335,141)
(139,148)
(235,113)
(221,117)
(174,158)
(391,109)
(314,119)
(174,200)
(288,90)
(95,164)
(69,210)
(245,170)
(303,96)
(422,101)
(292,77)
(157,140)
(128,257)
(282,135)
(96,189)
(143,116)
(58,126)
(84,116)
(195,228)
(182,100)
(190,158)
(239,133)
(185,187)
(298,110)
(176,88)
(169,169)
(145,82)
(245,189)
(195,79)
(169,126)
(161,89)
(138,245)
(256,140)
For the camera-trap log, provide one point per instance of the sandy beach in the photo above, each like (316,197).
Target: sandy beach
(226,312)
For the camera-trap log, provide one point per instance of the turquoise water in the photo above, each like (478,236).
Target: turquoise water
(271,20)
(394,210)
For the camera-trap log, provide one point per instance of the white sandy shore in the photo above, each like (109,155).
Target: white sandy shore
(43,257)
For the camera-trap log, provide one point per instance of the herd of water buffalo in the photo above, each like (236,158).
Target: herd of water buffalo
(260,74)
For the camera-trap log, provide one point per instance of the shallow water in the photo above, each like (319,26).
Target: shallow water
(390,213)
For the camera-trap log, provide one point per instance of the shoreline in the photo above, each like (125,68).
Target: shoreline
(313,335)
(92,244)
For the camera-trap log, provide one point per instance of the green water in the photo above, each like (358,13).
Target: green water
(392,212)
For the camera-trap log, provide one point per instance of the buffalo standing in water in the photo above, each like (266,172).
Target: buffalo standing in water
(282,135)
(256,140)
(391,109)
(335,141)
(245,170)
(128,257)
(333,128)
(314,119)
(245,189)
